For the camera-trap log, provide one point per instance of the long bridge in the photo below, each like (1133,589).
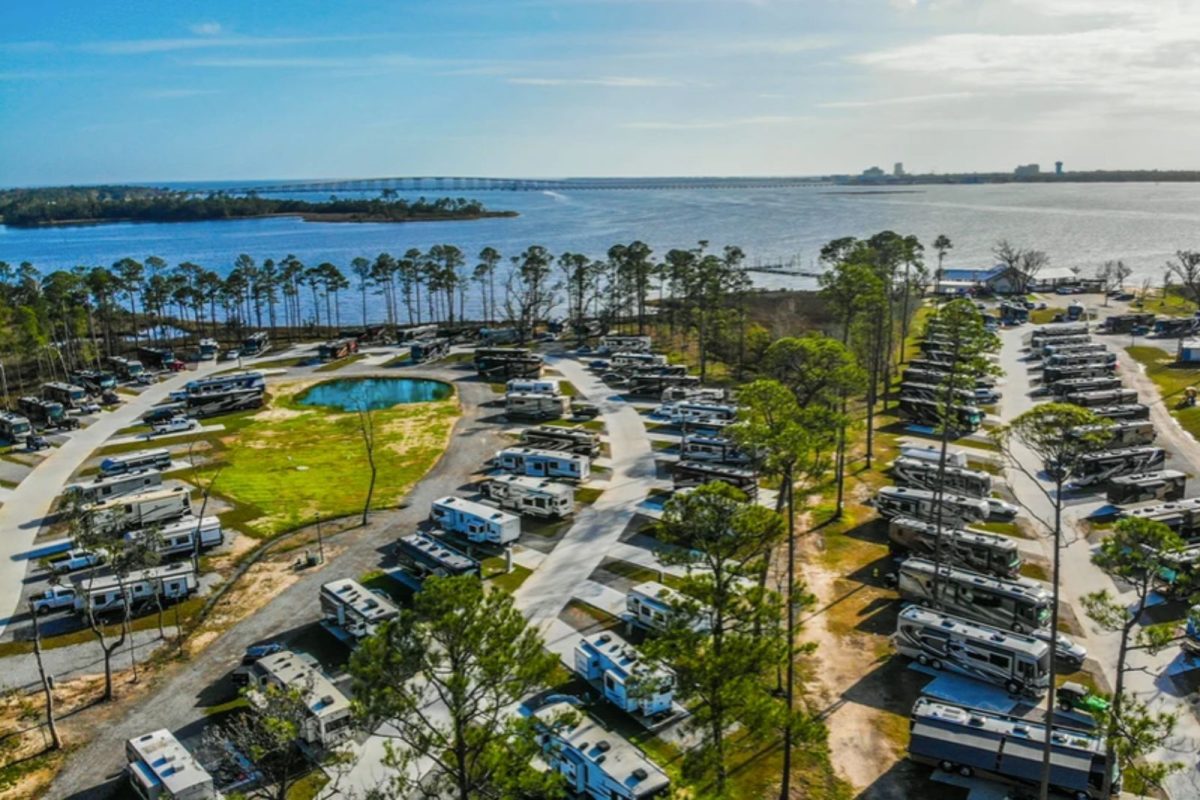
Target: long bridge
(468,184)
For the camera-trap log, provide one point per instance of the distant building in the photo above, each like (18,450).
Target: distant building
(1058,170)
(1027,170)
(898,170)
(873,172)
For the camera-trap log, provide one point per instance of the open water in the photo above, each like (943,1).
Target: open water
(353,394)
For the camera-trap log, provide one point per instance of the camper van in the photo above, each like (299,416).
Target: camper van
(70,395)
(550,387)
(1112,397)
(129,462)
(975,550)
(14,427)
(697,447)
(930,475)
(625,344)
(1019,604)
(522,405)
(425,350)
(1103,466)
(349,607)
(896,501)
(1121,434)
(538,463)
(179,537)
(1130,412)
(933,453)
(969,741)
(688,474)
(475,521)
(965,419)
(424,555)
(1021,664)
(101,595)
(107,487)
(1068,386)
(536,497)
(141,510)
(1147,486)
(559,437)
(629,683)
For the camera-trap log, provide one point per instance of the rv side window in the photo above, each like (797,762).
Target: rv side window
(1000,660)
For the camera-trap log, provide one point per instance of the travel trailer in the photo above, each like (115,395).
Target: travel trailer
(424,555)
(1113,397)
(550,387)
(963,419)
(697,447)
(650,604)
(328,720)
(896,501)
(129,462)
(521,405)
(1145,487)
(1021,664)
(141,510)
(580,441)
(933,453)
(477,522)
(1018,604)
(425,350)
(625,344)
(103,487)
(1103,466)
(14,427)
(179,537)
(984,552)
(609,662)
(70,395)
(348,606)
(160,768)
(536,497)
(538,463)
(689,474)
(924,474)
(972,742)
(107,593)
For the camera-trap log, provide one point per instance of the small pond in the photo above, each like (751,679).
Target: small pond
(351,394)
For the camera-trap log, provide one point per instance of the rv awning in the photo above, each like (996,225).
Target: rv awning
(142,774)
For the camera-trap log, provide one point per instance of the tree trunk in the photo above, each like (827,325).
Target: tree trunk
(1044,786)
(786,778)
(47,691)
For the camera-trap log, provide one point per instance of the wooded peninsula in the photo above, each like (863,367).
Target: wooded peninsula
(81,205)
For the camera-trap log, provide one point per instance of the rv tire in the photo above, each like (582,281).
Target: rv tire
(1012,687)
(936,664)
(1083,796)
(1018,628)
(965,771)
(946,766)
(923,659)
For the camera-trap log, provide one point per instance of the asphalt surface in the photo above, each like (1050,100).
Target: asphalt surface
(20,672)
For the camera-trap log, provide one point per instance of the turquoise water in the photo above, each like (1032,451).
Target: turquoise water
(373,393)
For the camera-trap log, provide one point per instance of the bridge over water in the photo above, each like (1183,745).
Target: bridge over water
(468,184)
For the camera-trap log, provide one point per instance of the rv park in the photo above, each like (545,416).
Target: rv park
(554,468)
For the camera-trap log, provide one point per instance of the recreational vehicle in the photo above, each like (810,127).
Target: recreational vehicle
(1019,604)
(1125,323)
(157,357)
(697,447)
(219,384)
(522,405)
(1076,371)
(1062,388)
(657,385)
(650,604)
(536,497)
(933,453)
(425,350)
(106,487)
(609,662)
(1065,343)
(1121,434)
(477,522)
(1181,516)
(1042,335)
(688,474)
(964,419)
(47,413)
(145,459)
(70,395)
(538,463)
(696,394)
(405,335)
(1073,348)
(424,555)
(201,406)
(127,368)
(1131,412)
(486,355)
(348,606)
(1145,487)
(1021,664)
(328,718)
(972,742)
(160,768)
(936,378)
(937,393)
(337,348)
(1081,359)
(975,550)
(941,369)
(208,349)
(168,582)
(924,474)
(896,501)
(619,360)
(94,381)
(640,370)
(179,537)
(559,437)
(1103,466)
(504,368)
(1112,397)
(256,343)
(699,412)
(625,344)
(549,387)
(13,427)
(141,510)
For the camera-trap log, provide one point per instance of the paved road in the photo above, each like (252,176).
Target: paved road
(20,672)
(95,770)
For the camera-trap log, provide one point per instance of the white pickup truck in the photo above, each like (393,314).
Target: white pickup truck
(73,560)
(55,597)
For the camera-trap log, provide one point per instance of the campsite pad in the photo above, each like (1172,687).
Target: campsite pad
(966,692)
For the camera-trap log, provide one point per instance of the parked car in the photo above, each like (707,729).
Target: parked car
(54,598)
(583,350)
(1073,696)
(256,651)
(584,410)
(1001,509)
(1066,649)
(175,425)
(598,364)
(89,407)
(232,355)
(110,398)
(34,442)
(161,414)
(73,560)
(144,380)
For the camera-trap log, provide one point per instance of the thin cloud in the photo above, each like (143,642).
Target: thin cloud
(174,94)
(897,101)
(697,125)
(132,47)
(206,28)
(614,82)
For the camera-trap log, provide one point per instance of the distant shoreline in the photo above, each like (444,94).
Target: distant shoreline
(307,216)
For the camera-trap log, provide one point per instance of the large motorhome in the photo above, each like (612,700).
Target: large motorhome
(1081,359)
(1113,397)
(657,385)
(405,335)
(1103,466)
(936,393)
(256,343)
(485,355)
(698,412)
(160,768)
(933,453)
(425,350)
(523,405)
(1128,433)
(1066,343)
(328,717)
(559,437)
(1067,386)
(697,447)
(47,413)
(1077,371)
(1125,323)
(620,360)
(425,555)
(633,371)
(348,606)
(696,394)
(538,463)
(179,537)
(127,368)
(1131,412)
(70,395)
(13,427)
(94,381)
(1148,486)
(984,552)
(156,357)
(107,487)
(1021,664)
(936,378)
(141,510)
(499,368)
(475,521)
(625,344)
(1073,348)
(207,349)
(630,684)
(688,474)
(219,384)
(930,475)
(1181,516)
(896,501)
(969,741)
(1045,333)
(168,582)
(1019,604)
(337,348)
(536,497)
(200,406)
(145,459)
(965,419)
(551,387)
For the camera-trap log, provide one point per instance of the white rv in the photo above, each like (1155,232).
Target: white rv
(625,344)
(145,459)
(107,487)
(895,501)
(477,522)
(1020,604)
(109,593)
(976,550)
(160,768)
(698,412)
(628,683)
(650,604)
(697,447)
(1021,664)
(560,437)
(141,510)
(349,606)
(536,497)
(329,719)
(536,406)
(932,475)
(628,359)
(533,386)
(539,463)
(179,537)
(954,458)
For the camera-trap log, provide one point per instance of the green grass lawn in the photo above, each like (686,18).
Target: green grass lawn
(289,464)
(587,495)
(1042,316)
(493,572)
(1171,382)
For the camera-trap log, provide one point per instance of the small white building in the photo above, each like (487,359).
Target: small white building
(627,682)
(1189,351)
(477,522)
(351,607)
(329,718)
(596,762)
(160,767)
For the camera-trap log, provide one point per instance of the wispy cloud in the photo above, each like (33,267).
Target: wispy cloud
(126,47)
(614,82)
(897,101)
(206,28)
(174,94)
(695,125)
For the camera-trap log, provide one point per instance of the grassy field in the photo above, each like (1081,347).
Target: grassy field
(288,464)
(1171,382)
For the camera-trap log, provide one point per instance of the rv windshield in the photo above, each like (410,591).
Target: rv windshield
(77,394)
(1043,615)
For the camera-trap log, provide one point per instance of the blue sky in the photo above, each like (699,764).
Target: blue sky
(154,91)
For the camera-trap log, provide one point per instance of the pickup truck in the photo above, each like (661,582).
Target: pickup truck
(176,425)
(54,598)
(73,560)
